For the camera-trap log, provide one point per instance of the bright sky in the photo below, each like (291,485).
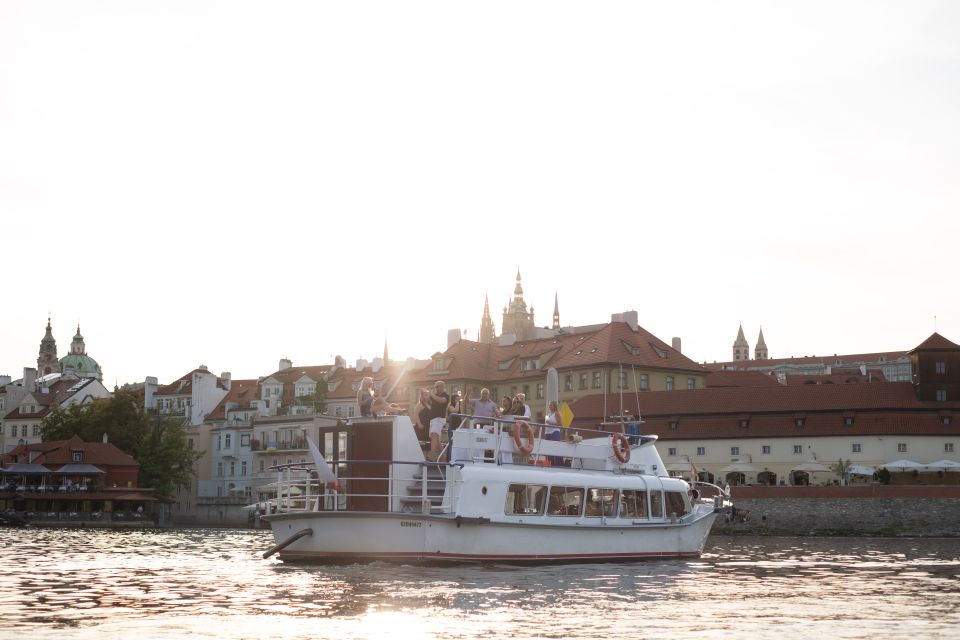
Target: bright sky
(231,183)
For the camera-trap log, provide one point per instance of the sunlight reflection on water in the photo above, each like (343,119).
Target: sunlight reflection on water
(214,584)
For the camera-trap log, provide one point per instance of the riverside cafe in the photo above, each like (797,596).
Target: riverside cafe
(71,492)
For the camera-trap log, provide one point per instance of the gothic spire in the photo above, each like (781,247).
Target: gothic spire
(741,348)
(556,311)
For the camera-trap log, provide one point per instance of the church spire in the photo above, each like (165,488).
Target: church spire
(47,361)
(386,357)
(517,320)
(741,348)
(760,352)
(487,331)
(556,311)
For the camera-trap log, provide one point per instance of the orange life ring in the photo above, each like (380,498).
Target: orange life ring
(523,425)
(621,452)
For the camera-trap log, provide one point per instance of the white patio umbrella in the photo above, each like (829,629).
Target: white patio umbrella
(860,470)
(811,467)
(902,465)
(943,465)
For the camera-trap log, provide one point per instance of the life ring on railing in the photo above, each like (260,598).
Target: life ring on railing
(621,448)
(519,427)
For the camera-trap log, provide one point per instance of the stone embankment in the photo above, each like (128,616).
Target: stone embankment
(870,510)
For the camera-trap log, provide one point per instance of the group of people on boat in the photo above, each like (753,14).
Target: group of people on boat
(435,409)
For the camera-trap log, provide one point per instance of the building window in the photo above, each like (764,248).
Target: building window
(744,423)
(245,440)
(941,367)
(734,451)
(568,382)
(36,430)
(622,380)
(78,456)
(596,380)
(901,447)
(337,412)
(674,424)
(848,421)
(644,382)
(691,383)
(672,451)
(765,449)
(941,395)
(219,469)
(946,420)
(539,391)
(948,447)
(233,469)
(219,443)
(261,466)
(855,448)
(583,381)
(23,431)
(797,449)
(701,451)
(349,412)
(226,441)
(243,467)
(669,383)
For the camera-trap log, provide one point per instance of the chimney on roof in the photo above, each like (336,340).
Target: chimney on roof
(202,367)
(225,377)
(30,379)
(453,337)
(675,342)
(5,380)
(285,364)
(629,317)
(149,389)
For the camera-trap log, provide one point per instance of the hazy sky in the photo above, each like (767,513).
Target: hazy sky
(231,183)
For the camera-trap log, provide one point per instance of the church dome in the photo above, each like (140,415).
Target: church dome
(83,365)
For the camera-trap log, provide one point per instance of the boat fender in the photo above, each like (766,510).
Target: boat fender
(522,426)
(621,448)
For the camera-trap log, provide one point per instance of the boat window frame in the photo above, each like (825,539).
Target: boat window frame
(683,502)
(643,502)
(659,502)
(567,490)
(522,489)
(608,508)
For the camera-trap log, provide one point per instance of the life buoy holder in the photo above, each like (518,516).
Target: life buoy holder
(621,448)
(519,427)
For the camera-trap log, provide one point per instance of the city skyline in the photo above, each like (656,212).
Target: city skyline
(232,184)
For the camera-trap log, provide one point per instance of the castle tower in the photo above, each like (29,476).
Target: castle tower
(47,361)
(741,348)
(556,312)
(487,331)
(760,351)
(516,319)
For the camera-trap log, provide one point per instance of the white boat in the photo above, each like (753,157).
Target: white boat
(500,494)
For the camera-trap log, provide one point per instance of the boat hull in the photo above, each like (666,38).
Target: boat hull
(356,536)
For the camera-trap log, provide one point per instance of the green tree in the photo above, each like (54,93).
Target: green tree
(841,469)
(159,444)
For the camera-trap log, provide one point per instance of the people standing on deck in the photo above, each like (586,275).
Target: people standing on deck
(552,430)
(439,399)
(484,409)
(506,406)
(365,397)
(526,408)
(420,414)
(454,409)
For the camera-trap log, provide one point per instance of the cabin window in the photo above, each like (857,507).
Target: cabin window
(565,501)
(525,499)
(633,504)
(676,506)
(601,502)
(656,504)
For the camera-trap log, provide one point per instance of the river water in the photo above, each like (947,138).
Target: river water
(207,583)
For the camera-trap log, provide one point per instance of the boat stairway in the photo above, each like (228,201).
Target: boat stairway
(436,486)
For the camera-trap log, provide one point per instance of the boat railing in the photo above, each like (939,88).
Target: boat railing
(362,485)
(494,440)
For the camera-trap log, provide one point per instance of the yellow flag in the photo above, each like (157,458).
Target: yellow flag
(566,414)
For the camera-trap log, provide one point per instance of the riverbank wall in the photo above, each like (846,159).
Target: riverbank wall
(867,510)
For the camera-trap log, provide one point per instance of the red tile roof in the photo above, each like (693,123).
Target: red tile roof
(935,342)
(740,379)
(241,393)
(60,452)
